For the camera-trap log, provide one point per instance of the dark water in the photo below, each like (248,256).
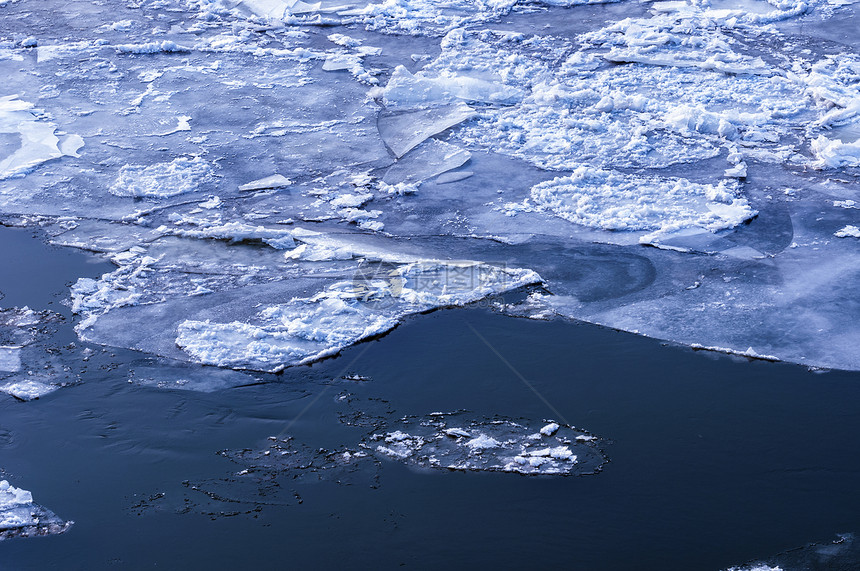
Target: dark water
(714,460)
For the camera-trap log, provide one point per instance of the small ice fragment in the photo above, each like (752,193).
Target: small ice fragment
(549,429)
(848,232)
(27,390)
(274,181)
(457,432)
(351,200)
(482,442)
(212,203)
(845,204)
(562,453)
(340,62)
(835,154)
(166,46)
(737,171)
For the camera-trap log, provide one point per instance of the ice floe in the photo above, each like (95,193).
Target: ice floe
(613,201)
(307,329)
(21,517)
(439,441)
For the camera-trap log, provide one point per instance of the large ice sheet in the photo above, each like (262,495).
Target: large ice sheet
(675,172)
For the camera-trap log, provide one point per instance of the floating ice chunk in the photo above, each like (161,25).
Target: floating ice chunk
(457,433)
(402,132)
(483,442)
(407,90)
(212,203)
(273,181)
(20,517)
(583,112)
(165,46)
(27,390)
(689,119)
(344,40)
(338,62)
(280,9)
(613,201)
(846,204)
(307,329)
(835,154)
(350,200)
(737,171)
(848,232)
(10,359)
(162,180)
(501,446)
(549,429)
(833,81)
(431,158)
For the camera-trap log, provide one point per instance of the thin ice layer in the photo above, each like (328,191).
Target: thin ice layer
(402,132)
